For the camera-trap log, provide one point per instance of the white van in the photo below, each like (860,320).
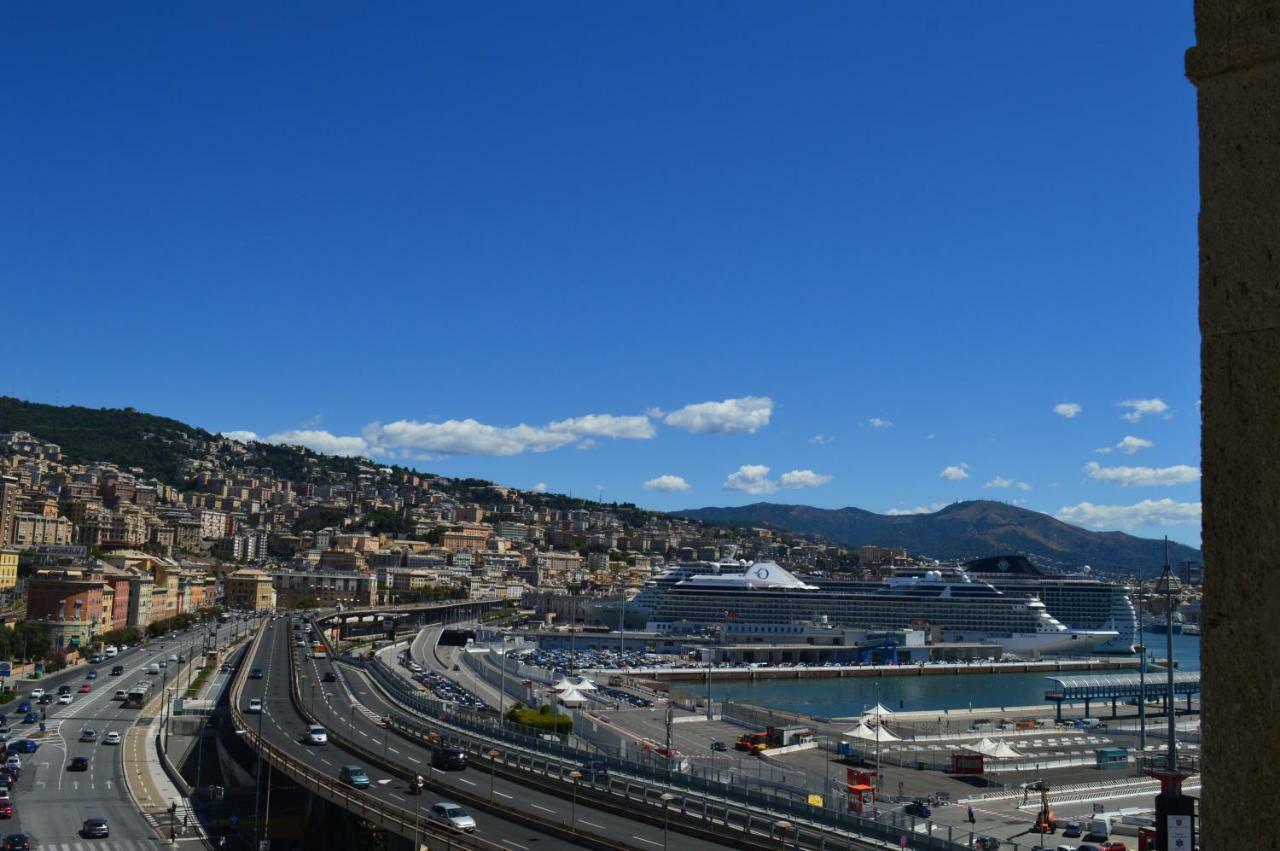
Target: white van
(153,668)
(1088,723)
(1098,829)
(110,650)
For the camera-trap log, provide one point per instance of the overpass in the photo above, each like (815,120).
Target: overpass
(389,620)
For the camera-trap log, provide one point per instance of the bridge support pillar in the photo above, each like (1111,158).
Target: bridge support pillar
(1086,707)
(1058,710)
(1113,706)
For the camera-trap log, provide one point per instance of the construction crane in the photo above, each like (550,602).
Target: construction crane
(1044,818)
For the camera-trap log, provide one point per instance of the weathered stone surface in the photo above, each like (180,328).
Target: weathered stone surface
(1236,68)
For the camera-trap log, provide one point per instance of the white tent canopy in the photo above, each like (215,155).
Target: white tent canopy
(572,697)
(997,750)
(877,711)
(862,731)
(579,683)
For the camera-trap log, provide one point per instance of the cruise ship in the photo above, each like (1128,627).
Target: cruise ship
(961,609)
(1080,601)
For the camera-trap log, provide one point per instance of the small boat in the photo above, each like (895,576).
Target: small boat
(1191,629)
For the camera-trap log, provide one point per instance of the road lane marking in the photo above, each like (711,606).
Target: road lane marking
(650,841)
(465,780)
(514,844)
(544,809)
(593,824)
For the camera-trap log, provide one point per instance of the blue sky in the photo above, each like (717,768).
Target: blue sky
(412,229)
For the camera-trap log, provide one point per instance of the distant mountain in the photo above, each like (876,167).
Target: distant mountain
(961,530)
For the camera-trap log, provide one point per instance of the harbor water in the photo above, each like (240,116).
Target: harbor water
(850,696)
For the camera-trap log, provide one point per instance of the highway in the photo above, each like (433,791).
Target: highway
(359,716)
(51,803)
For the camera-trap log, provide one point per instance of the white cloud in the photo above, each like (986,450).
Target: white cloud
(803,479)
(607,425)
(240,435)
(919,509)
(821,439)
(876,422)
(1149,512)
(1128,445)
(930,436)
(955,472)
(1068,409)
(322,441)
(667,483)
(751,478)
(1131,477)
(540,487)
(654,412)
(748,414)
(467,437)
(1002,482)
(1023,486)
(1139,408)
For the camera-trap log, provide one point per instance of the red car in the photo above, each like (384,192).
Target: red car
(85,688)
(6,808)
(1114,845)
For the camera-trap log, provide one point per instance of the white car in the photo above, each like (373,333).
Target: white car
(447,812)
(37,693)
(13,763)
(316,735)
(112,738)
(255,704)
(64,699)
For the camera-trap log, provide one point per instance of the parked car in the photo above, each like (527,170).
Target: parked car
(1073,830)
(17,842)
(719,746)
(6,807)
(451,814)
(5,732)
(919,809)
(23,746)
(354,775)
(13,763)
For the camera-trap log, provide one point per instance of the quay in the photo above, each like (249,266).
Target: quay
(747,672)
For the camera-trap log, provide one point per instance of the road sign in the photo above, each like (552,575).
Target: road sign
(6,669)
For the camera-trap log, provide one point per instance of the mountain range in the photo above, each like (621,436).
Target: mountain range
(962,530)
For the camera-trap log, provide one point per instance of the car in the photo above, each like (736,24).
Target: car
(96,658)
(316,735)
(986,843)
(1073,830)
(719,746)
(329,677)
(91,675)
(24,706)
(88,734)
(95,828)
(121,694)
(173,658)
(64,689)
(22,746)
(7,778)
(30,718)
(78,763)
(451,814)
(161,664)
(85,688)
(255,674)
(112,738)
(449,759)
(6,807)
(117,670)
(255,704)
(13,763)
(919,809)
(17,842)
(64,698)
(37,693)
(45,699)
(5,733)
(1113,845)
(1089,846)
(225,669)
(353,775)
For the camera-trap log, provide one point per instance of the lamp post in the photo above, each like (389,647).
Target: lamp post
(502,689)
(493,769)
(1167,585)
(257,783)
(666,798)
(1142,696)
(782,826)
(575,776)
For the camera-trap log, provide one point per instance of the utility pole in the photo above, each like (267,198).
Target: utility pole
(1142,696)
(670,713)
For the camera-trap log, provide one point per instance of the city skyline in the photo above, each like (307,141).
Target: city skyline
(674,258)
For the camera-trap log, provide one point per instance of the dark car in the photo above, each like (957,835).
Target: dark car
(91,675)
(117,670)
(30,718)
(17,842)
(354,775)
(449,759)
(22,746)
(329,677)
(7,778)
(919,809)
(95,828)
(79,763)
(62,690)
(45,699)
(719,746)
(6,807)
(255,674)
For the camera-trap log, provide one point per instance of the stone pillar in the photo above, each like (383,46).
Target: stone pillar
(1235,66)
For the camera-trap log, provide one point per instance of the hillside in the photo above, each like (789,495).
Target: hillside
(961,530)
(122,436)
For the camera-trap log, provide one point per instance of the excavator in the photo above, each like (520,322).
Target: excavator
(1044,818)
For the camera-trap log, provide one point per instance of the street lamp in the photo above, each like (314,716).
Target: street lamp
(1167,585)
(782,826)
(493,755)
(666,798)
(1142,696)
(575,776)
